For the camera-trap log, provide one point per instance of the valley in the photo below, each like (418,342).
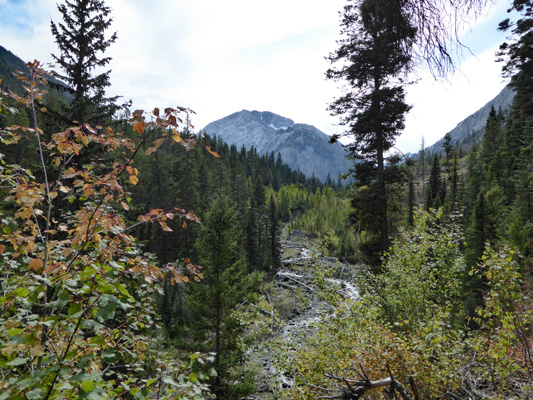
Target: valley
(302,294)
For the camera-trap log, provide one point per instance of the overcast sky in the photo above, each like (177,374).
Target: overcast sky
(219,57)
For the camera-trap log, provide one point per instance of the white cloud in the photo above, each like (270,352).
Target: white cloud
(219,57)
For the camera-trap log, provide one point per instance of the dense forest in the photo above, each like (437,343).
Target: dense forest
(138,257)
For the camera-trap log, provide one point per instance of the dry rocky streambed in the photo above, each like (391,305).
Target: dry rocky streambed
(299,301)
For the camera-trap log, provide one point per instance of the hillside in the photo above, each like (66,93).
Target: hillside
(303,147)
(9,63)
(470,130)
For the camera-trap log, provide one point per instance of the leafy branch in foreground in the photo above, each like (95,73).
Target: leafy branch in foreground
(74,285)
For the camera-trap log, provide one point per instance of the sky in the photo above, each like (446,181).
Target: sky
(219,57)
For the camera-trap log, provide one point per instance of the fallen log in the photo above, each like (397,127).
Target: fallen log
(298,282)
(357,388)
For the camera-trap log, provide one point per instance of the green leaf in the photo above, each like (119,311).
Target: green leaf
(35,394)
(61,301)
(74,310)
(104,314)
(88,386)
(15,331)
(105,288)
(193,377)
(168,380)
(110,355)
(122,289)
(91,324)
(88,273)
(22,292)
(17,361)
(150,382)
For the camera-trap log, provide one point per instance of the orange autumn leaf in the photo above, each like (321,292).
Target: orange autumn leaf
(36,264)
(139,127)
(212,152)
(165,227)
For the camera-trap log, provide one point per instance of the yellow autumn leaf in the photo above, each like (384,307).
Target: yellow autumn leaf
(176,137)
(134,180)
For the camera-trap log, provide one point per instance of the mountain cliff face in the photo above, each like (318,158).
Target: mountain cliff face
(303,147)
(471,130)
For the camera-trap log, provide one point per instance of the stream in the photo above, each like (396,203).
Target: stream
(300,303)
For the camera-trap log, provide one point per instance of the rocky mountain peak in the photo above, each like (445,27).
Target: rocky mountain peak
(303,147)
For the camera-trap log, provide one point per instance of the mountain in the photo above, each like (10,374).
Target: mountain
(9,63)
(471,130)
(303,147)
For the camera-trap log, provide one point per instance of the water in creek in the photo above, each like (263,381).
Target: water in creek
(298,280)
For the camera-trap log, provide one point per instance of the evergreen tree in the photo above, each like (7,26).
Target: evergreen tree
(491,152)
(256,232)
(225,283)
(521,219)
(274,235)
(374,52)
(423,164)
(451,201)
(436,191)
(448,148)
(81,39)
(519,53)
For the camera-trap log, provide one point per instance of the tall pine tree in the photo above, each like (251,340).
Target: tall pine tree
(81,39)
(373,55)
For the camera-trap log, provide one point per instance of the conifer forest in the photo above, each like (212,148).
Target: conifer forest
(142,259)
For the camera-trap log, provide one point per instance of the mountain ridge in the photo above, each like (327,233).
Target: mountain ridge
(471,129)
(302,146)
